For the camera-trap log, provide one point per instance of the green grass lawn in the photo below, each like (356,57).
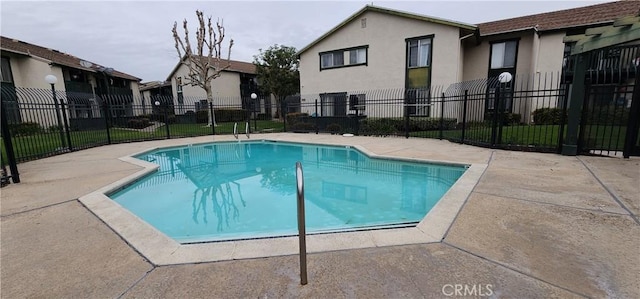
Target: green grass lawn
(596,137)
(546,136)
(45,144)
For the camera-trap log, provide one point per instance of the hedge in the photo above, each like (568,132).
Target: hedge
(25,129)
(388,126)
(548,116)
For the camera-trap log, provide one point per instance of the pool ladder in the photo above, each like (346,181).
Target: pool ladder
(246,130)
(302,234)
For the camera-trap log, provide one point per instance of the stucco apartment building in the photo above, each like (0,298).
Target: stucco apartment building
(232,88)
(80,83)
(378,48)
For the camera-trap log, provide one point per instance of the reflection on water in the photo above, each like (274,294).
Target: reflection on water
(239,190)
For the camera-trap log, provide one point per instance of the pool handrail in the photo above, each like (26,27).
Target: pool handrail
(235,130)
(302,234)
(246,130)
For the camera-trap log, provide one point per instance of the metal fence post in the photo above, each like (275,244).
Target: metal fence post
(166,118)
(563,119)
(213,128)
(441,117)
(494,125)
(464,114)
(8,144)
(66,125)
(106,118)
(406,117)
(316,118)
(57,107)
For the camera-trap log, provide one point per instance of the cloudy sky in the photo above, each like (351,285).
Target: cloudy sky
(135,36)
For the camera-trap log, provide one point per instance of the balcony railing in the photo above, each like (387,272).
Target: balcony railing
(83,87)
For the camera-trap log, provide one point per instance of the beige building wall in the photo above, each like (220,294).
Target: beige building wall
(538,67)
(29,72)
(386,62)
(226,89)
(551,52)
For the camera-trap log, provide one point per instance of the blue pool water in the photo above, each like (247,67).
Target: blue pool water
(226,191)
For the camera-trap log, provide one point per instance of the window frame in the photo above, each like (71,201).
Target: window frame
(7,60)
(515,53)
(418,46)
(357,102)
(345,62)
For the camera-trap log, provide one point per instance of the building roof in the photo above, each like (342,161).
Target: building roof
(154,84)
(235,66)
(55,57)
(563,19)
(393,12)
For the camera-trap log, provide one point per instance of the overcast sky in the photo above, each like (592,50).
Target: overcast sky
(135,37)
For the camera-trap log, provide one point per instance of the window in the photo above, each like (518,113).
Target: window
(358,56)
(419,52)
(567,62)
(179,84)
(357,102)
(5,74)
(333,104)
(503,55)
(332,59)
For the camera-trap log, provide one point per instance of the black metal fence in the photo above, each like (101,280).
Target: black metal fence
(43,123)
(524,113)
(611,109)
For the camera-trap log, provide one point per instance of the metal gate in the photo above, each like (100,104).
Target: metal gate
(611,108)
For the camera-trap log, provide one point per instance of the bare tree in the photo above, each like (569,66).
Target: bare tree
(204,62)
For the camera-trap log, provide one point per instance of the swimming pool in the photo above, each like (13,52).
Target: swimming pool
(229,190)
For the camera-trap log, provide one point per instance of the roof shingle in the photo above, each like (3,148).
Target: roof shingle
(55,56)
(561,19)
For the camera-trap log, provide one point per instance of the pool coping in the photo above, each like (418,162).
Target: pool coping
(162,250)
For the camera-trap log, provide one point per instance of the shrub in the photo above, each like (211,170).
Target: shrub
(389,126)
(607,115)
(378,126)
(295,117)
(202,116)
(548,116)
(138,123)
(508,118)
(25,129)
(55,128)
(263,116)
(229,115)
(303,127)
(334,128)
(430,124)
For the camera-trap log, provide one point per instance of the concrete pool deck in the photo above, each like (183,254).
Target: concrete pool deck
(535,225)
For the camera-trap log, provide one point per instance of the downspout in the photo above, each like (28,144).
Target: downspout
(535,50)
(460,68)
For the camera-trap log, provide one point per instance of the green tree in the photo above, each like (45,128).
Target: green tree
(277,72)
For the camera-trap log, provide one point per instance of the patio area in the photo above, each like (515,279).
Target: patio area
(535,225)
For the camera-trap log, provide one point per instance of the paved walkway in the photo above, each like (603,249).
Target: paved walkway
(535,225)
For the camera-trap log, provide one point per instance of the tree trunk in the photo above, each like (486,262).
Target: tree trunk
(212,114)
